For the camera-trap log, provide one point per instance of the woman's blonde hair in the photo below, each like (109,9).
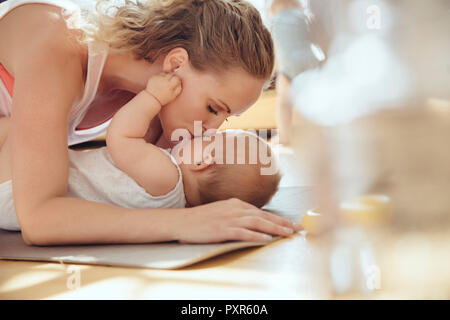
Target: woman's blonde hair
(217,34)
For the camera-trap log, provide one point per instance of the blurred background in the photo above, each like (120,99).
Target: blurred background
(361,106)
(379,91)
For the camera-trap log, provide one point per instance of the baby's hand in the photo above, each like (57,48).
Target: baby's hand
(165,87)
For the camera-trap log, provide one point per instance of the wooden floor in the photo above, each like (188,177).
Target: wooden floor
(411,261)
(410,265)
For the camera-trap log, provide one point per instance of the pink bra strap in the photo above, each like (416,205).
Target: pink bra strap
(7,79)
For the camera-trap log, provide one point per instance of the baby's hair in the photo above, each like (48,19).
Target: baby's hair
(217,34)
(242,181)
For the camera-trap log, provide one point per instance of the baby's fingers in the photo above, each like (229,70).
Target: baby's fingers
(177,87)
(175,84)
(173,78)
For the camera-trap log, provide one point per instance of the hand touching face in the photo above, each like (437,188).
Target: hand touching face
(165,87)
(210,98)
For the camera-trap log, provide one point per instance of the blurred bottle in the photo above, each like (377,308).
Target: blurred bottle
(380,115)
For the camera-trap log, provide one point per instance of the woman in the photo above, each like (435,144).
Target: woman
(65,79)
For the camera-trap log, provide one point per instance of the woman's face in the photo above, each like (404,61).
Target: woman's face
(209,98)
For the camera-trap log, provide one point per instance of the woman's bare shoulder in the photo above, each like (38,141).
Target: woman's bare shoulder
(35,28)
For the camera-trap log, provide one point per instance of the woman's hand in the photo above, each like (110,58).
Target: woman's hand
(164,87)
(231,219)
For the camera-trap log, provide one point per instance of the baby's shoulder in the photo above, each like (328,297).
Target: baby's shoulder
(160,175)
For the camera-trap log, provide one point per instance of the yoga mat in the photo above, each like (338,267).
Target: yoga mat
(288,202)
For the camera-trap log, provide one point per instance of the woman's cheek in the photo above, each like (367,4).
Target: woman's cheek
(172,118)
(182,112)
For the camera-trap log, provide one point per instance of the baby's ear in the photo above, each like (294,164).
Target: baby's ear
(199,166)
(208,160)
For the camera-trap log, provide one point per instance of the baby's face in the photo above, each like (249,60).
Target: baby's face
(226,147)
(240,157)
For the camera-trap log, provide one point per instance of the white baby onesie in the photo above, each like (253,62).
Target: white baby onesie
(93,176)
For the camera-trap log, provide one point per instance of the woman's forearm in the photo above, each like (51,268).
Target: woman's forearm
(77,221)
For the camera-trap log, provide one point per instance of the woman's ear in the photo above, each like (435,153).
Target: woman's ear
(177,58)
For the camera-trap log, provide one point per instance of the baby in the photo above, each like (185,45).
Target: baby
(202,164)
(132,173)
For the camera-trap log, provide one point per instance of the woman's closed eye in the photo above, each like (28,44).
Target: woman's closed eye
(212,110)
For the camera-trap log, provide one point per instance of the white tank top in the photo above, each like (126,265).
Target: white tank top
(97,56)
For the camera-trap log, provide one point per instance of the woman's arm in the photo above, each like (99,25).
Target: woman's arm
(45,86)
(46,83)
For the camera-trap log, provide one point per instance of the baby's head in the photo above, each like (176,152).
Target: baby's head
(230,164)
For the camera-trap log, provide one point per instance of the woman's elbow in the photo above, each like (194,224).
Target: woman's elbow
(29,241)
(32,230)
(32,237)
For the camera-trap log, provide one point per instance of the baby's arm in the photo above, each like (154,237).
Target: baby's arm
(144,162)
